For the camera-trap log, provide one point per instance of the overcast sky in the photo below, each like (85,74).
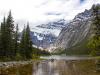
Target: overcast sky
(44,10)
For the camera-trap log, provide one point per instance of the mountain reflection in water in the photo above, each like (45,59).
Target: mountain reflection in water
(53,67)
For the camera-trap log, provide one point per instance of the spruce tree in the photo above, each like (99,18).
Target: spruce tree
(96,20)
(94,42)
(22,44)
(3,41)
(10,35)
(9,40)
(16,40)
(0,36)
(28,42)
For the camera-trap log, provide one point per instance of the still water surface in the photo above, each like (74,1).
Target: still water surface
(58,66)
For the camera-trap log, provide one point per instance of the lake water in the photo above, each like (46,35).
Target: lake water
(55,65)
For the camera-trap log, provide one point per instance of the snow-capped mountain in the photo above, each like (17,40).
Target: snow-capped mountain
(42,40)
(45,34)
(77,32)
(54,25)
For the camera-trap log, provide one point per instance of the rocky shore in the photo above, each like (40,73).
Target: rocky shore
(14,63)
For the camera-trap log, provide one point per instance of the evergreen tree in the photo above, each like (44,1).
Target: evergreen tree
(96,20)
(3,41)
(94,42)
(16,40)
(28,42)
(22,44)
(10,35)
(0,40)
(9,40)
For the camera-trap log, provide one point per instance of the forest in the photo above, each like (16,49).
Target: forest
(14,46)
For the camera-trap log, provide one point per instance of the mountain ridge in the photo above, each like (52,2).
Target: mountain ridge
(75,31)
(44,35)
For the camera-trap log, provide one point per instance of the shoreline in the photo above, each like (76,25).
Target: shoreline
(8,64)
(14,63)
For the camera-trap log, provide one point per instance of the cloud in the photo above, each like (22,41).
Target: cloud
(38,11)
(53,13)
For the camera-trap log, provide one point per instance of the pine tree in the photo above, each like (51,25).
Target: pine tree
(3,41)
(16,40)
(10,35)
(28,43)
(22,44)
(9,45)
(96,20)
(0,44)
(94,42)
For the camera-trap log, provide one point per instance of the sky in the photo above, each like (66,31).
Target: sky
(38,11)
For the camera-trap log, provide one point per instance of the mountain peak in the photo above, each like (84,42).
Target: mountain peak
(76,31)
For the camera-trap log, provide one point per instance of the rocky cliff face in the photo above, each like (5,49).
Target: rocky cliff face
(75,31)
(44,35)
(42,40)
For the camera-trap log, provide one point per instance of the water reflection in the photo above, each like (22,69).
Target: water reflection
(53,67)
(46,68)
(65,68)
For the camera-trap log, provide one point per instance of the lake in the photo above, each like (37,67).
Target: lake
(55,65)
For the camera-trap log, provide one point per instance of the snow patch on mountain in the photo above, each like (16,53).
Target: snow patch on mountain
(46,31)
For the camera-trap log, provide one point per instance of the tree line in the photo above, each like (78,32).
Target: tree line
(11,45)
(94,42)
